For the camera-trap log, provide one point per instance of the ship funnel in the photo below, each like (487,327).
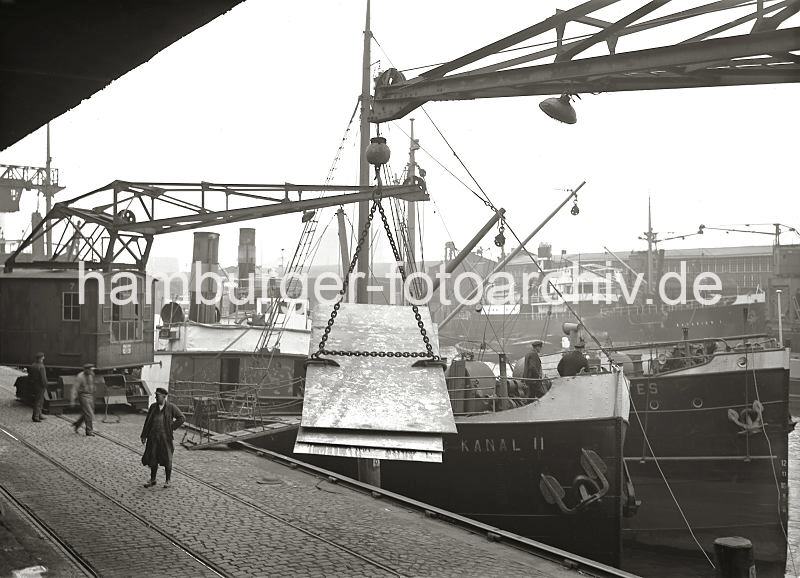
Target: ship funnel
(37,246)
(205,289)
(247,268)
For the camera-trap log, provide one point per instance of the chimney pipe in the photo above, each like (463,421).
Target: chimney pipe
(247,267)
(37,247)
(205,259)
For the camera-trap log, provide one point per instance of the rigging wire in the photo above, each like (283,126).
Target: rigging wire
(630,398)
(488,203)
(303,251)
(339,150)
(467,265)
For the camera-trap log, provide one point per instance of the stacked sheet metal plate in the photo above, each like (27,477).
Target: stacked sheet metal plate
(374,407)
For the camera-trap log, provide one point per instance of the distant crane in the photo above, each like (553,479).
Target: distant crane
(15,179)
(776,232)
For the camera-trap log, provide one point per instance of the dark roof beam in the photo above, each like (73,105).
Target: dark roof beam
(397,99)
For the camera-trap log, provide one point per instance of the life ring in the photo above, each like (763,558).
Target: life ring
(662,359)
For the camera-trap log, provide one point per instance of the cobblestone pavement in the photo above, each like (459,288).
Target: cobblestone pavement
(305,526)
(23,547)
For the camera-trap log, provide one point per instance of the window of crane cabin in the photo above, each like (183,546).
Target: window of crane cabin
(70,307)
(126,319)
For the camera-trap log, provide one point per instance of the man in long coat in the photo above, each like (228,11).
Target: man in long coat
(162,419)
(532,372)
(37,376)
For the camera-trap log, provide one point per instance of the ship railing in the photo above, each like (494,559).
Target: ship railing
(641,309)
(663,357)
(482,396)
(246,401)
(726,340)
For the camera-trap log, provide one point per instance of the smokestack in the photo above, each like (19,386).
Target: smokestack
(247,267)
(37,247)
(205,259)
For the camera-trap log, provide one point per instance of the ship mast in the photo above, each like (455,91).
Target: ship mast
(411,205)
(369,470)
(48,195)
(363,176)
(649,248)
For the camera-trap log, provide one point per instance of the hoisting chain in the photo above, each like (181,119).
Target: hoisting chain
(376,204)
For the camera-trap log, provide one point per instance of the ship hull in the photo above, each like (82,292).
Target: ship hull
(727,481)
(491,472)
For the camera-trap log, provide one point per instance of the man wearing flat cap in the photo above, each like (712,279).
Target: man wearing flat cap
(37,376)
(85,394)
(573,361)
(532,374)
(162,419)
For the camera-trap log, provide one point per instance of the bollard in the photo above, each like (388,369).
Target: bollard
(734,557)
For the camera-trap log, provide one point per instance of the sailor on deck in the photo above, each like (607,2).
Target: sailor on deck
(532,372)
(573,361)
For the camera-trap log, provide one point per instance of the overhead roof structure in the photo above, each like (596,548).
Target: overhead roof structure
(720,43)
(53,55)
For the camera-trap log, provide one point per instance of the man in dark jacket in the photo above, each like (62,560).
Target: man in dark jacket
(532,373)
(573,361)
(162,419)
(37,376)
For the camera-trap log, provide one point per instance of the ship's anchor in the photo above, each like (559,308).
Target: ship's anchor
(750,419)
(630,505)
(588,488)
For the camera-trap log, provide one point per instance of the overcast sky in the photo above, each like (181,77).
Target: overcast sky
(264,93)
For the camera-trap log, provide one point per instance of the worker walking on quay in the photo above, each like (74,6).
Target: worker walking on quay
(85,394)
(37,376)
(162,419)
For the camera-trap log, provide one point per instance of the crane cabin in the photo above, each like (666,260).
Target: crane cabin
(70,316)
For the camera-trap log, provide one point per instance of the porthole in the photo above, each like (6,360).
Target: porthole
(697,403)
(741,362)
(654,405)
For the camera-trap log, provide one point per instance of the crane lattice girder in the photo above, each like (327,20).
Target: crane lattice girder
(29,178)
(764,56)
(104,236)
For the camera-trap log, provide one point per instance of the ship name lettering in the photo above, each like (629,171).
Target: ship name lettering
(650,387)
(493,445)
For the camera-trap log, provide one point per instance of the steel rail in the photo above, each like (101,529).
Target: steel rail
(252,505)
(186,549)
(46,531)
